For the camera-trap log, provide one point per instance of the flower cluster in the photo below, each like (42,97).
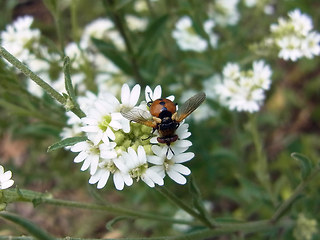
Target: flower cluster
(240,90)
(305,228)
(19,38)
(122,149)
(5,178)
(294,37)
(23,41)
(187,38)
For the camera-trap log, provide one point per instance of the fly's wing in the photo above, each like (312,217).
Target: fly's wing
(189,106)
(139,116)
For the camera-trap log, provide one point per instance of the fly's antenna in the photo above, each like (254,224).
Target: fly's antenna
(151,101)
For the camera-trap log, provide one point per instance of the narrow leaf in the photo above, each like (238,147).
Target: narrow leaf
(110,51)
(114,221)
(121,4)
(66,142)
(68,83)
(305,164)
(153,34)
(197,199)
(32,228)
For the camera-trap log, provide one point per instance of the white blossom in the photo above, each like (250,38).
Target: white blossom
(293,37)
(242,90)
(186,37)
(5,178)
(19,38)
(173,166)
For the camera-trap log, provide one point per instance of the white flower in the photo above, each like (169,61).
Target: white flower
(135,164)
(104,118)
(173,166)
(186,37)
(19,38)
(289,48)
(208,28)
(261,74)
(98,123)
(156,94)
(5,178)
(96,29)
(90,154)
(231,70)
(243,90)
(302,23)
(106,168)
(294,37)
(310,46)
(136,23)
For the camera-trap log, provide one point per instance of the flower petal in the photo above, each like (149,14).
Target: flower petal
(134,96)
(181,169)
(177,177)
(103,180)
(183,157)
(125,94)
(118,181)
(80,157)
(6,184)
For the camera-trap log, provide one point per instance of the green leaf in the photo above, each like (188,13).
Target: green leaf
(153,34)
(110,51)
(52,5)
(115,220)
(66,142)
(197,199)
(305,164)
(32,228)
(198,66)
(121,4)
(68,83)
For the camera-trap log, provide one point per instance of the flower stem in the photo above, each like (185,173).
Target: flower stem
(40,198)
(300,188)
(249,227)
(120,25)
(173,198)
(261,167)
(26,71)
(26,224)
(46,87)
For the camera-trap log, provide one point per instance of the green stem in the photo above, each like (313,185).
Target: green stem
(26,71)
(74,20)
(261,167)
(70,90)
(45,86)
(39,198)
(120,25)
(286,204)
(249,227)
(173,198)
(32,228)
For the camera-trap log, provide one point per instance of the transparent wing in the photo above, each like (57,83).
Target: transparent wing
(189,106)
(139,116)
